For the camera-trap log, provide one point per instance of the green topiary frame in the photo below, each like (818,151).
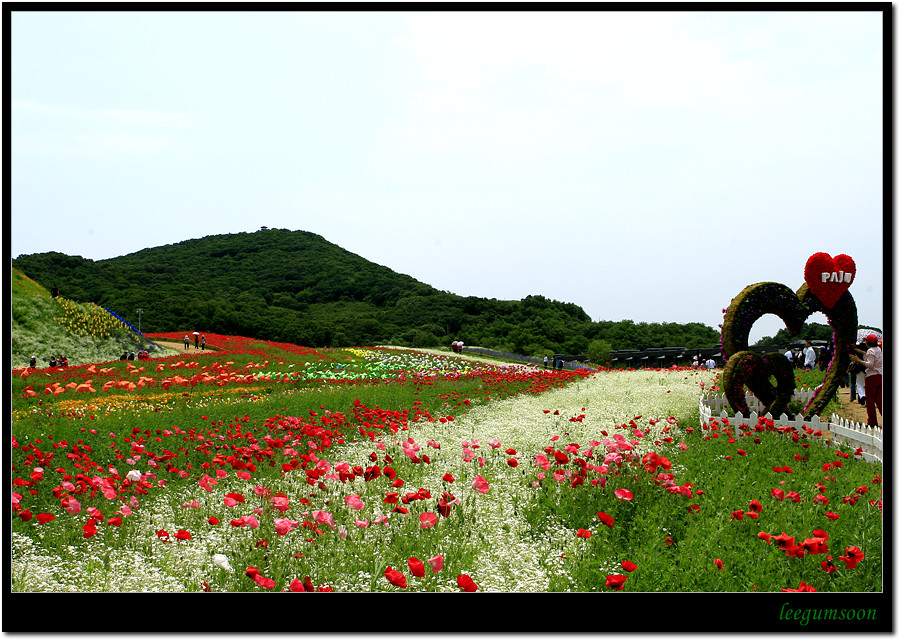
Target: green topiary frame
(745,368)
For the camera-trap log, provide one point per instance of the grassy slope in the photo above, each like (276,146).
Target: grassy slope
(35,330)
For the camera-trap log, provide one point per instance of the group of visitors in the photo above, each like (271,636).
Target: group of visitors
(141,355)
(62,361)
(809,357)
(199,341)
(709,363)
(456,346)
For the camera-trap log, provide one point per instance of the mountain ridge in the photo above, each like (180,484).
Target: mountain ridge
(296,286)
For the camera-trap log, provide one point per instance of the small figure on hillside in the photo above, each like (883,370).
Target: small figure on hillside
(131,356)
(196,340)
(52,361)
(711,364)
(546,360)
(187,342)
(203,342)
(54,292)
(124,356)
(63,361)
(34,362)
(696,362)
(809,356)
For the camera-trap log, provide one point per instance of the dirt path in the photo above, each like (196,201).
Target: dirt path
(852,410)
(178,345)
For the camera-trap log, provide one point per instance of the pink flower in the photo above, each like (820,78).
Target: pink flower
(480,484)
(73,506)
(285,525)
(354,502)
(624,494)
(361,523)
(323,517)
(437,563)
(427,520)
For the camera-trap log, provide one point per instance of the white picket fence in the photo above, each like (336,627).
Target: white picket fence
(853,434)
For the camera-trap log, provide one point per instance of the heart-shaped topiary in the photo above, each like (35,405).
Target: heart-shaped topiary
(828,278)
(742,368)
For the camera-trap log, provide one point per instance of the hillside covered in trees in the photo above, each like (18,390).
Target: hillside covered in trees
(295,286)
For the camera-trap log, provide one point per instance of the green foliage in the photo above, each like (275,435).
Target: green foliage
(598,351)
(810,331)
(42,326)
(294,286)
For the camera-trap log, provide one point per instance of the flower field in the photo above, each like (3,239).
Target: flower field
(259,467)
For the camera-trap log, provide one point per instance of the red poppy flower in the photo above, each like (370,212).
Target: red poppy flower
(737,515)
(814,545)
(466,583)
(90,528)
(447,477)
(395,577)
(803,587)
(854,556)
(181,534)
(162,534)
(623,494)
(828,566)
(232,499)
(427,520)
(512,462)
(719,564)
(44,518)
(756,506)
(416,567)
(616,582)
(583,533)
(391,497)
(832,516)
(628,565)
(605,518)
(213,520)
(783,541)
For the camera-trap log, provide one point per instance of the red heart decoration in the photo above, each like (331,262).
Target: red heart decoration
(828,278)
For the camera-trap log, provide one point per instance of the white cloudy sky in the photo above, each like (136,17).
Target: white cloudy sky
(643,165)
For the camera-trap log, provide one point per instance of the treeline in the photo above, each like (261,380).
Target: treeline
(295,286)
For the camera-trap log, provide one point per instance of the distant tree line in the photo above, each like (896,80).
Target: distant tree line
(294,286)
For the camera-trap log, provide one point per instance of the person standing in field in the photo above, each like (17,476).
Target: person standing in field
(196,340)
(874,364)
(187,342)
(203,342)
(809,355)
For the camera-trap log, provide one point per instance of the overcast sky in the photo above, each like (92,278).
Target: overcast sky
(642,165)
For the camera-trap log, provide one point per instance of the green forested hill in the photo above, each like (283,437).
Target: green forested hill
(295,286)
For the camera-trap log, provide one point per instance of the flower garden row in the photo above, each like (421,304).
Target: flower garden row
(478,478)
